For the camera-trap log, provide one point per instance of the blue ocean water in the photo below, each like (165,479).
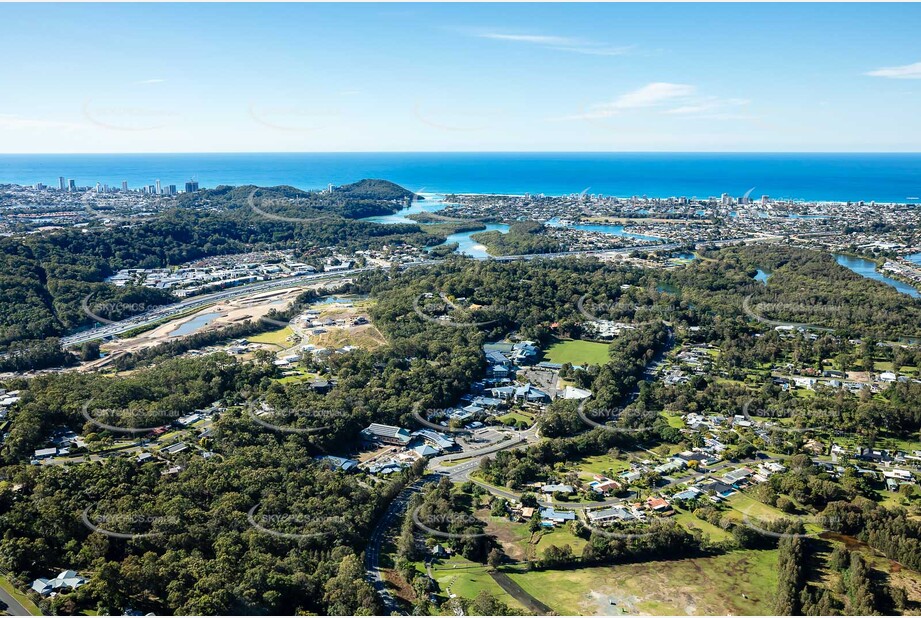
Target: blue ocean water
(839,177)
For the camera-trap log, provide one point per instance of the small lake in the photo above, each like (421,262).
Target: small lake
(199,321)
(613,230)
(762,276)
(866,268)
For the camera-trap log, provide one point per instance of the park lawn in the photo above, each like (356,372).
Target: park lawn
(600,464)
(744,506)
(687,521)
(559,537)
(715,585)
(461,577)
(578,352)
(275,337)
(674,420)
(24,600)
(515,417)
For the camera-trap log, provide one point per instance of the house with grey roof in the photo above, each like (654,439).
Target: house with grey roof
(66,580)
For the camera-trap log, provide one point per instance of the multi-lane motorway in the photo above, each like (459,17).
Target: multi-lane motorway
(165,312)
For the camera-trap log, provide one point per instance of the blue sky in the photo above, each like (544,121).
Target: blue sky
(453,77)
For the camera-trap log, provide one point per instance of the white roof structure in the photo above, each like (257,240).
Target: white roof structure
(571,392)
(65,579)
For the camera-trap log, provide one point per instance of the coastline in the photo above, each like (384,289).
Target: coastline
(886,178)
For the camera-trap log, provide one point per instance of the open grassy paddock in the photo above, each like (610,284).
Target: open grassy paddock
(461,577)
(276,337)
(738,583)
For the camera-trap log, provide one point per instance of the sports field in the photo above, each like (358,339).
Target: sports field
(578,352)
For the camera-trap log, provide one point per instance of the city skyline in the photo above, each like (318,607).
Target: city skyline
(443,78)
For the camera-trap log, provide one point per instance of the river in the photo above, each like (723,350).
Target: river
(466,245)
(432,203)
(866,268)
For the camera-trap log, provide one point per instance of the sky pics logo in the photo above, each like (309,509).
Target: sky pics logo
(113,116)
(599,418)
(271,418)
(281,525)
(128,420)
(127,526)
(627,311)
(439,309)
(111,307)
(263,206)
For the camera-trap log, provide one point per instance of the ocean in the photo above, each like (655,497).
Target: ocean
(834,177)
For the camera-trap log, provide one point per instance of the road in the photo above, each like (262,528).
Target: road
(167,311)
(373,552)
(398,506)
(11,605)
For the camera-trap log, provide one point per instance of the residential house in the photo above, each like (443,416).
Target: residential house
(553,516)
(66,580)
(610,514)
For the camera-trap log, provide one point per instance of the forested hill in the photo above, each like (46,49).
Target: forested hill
(365,198)
(43,278)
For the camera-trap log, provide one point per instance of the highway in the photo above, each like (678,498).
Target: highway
(166,312)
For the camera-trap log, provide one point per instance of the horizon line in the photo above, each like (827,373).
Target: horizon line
(457,152)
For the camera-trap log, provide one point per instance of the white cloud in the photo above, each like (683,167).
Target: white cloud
(909,71)
(13,122)
(713,106)
(679,99)
(653,94)
(690,109)
(649,95)
(558,43)
(527,38)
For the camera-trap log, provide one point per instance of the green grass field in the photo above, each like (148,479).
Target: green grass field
(687,521)
(559,537)
(515,417)
(467,579)
(578,352)
(745,506)
(674,420)
(301,375)
(737,583)
(276,337)
(600,464)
